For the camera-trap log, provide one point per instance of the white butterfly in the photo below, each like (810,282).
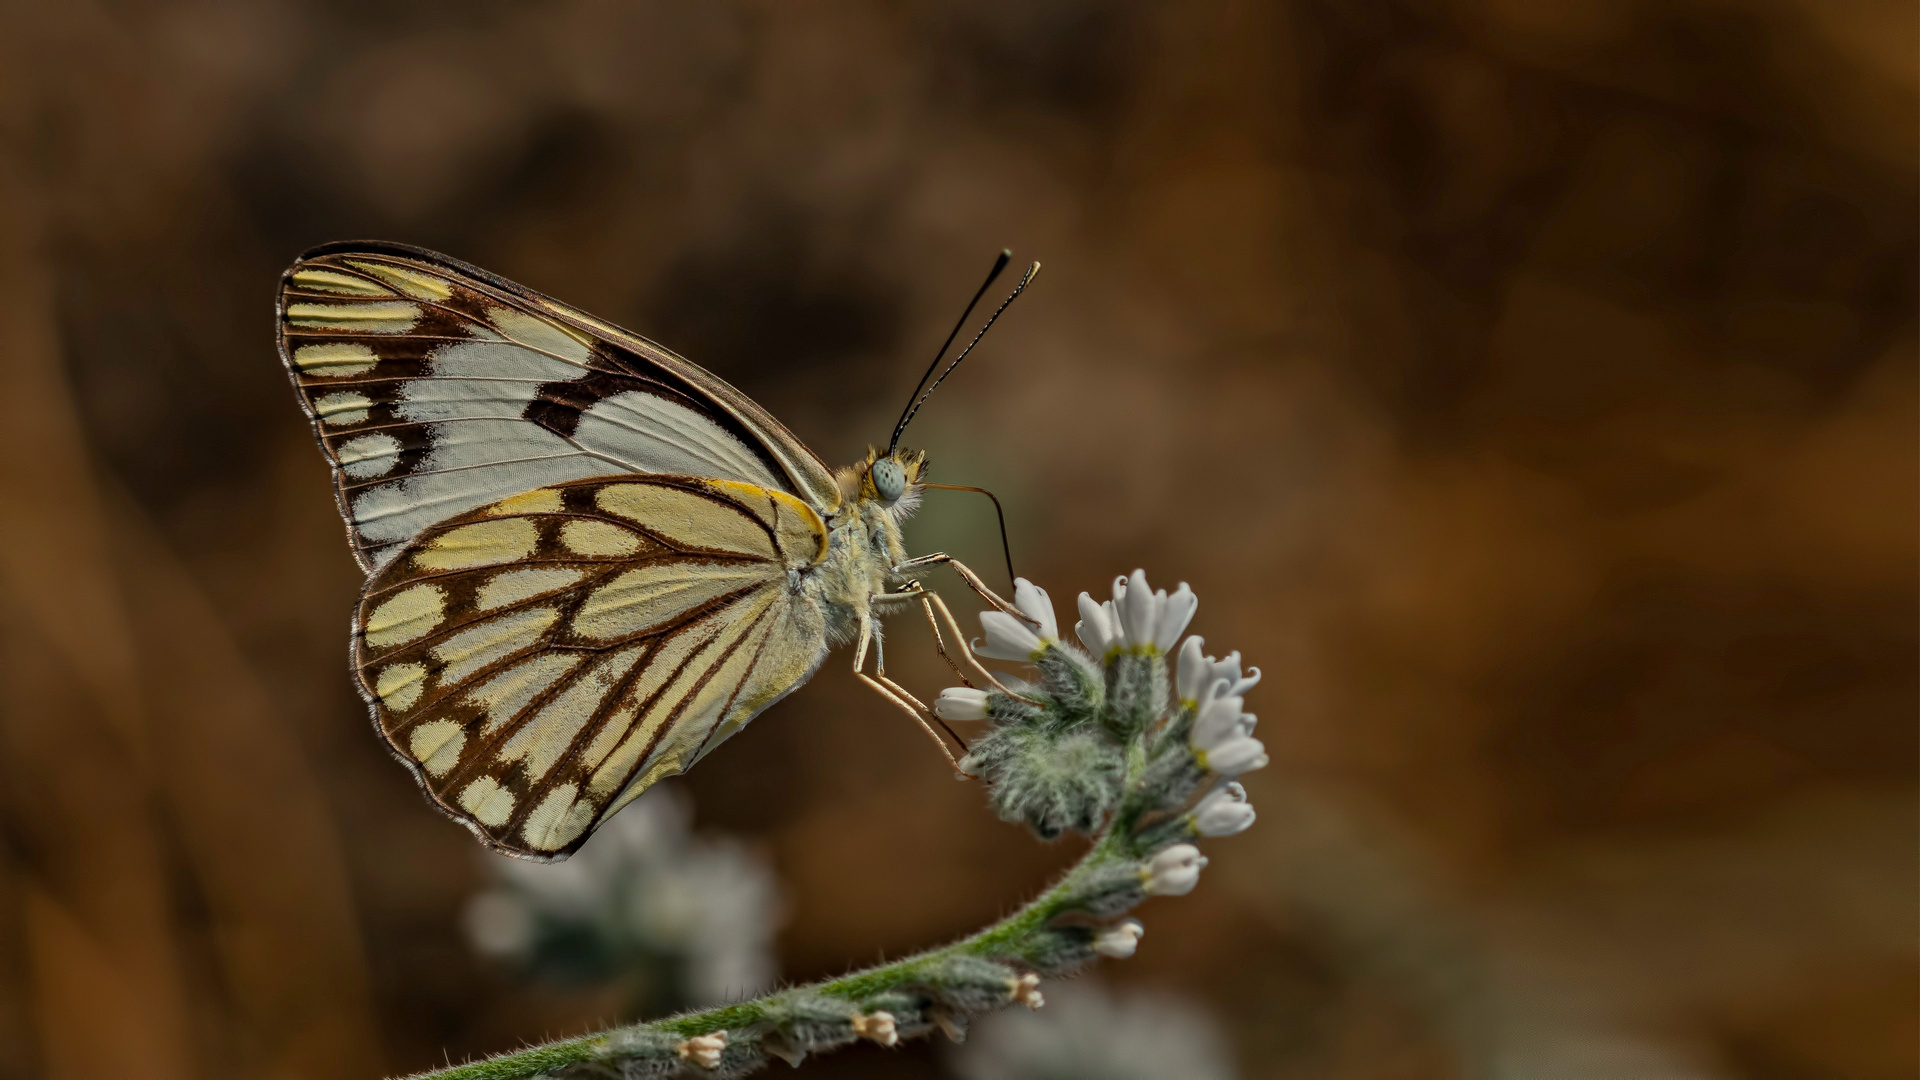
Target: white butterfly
(589,561)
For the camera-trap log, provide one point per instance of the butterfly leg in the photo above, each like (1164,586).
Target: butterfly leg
(967,575)
(859,666)
(880,673)
(929,600)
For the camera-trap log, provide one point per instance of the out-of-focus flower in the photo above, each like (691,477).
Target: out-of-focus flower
(684,921)
(1088,1033)
(1174,871)
(1224,812)
(1119,940)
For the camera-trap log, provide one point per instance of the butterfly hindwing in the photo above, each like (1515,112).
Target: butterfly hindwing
(540,661)
(436,388)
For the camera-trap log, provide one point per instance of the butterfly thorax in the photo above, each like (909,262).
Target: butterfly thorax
(863,538)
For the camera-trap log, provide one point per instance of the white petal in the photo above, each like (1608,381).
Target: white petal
(1007,638)
(1193,670)
(1095,629)
(1177,613)
(1227,668)
(1241,754)
(1033,601)
(1139,610)
(1218,721)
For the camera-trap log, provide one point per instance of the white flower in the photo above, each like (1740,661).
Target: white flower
(1139,614)
(1227,672)
(1007,638)
(703,1050)
(961,703)
(1137,618)
(1222,813)
(1237,755)
(1119,940)
(1025,990)
(1191,674)
(1035,604)
(1176,611)
(1220,719)
(1098,628)
(1174,871)
(1152,621)
(1201,675)
(877,1026)
(1010,637)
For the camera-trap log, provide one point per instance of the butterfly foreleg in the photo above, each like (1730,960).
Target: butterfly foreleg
(890,690)
(967,575)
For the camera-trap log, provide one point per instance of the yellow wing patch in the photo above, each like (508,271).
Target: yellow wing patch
(543,660)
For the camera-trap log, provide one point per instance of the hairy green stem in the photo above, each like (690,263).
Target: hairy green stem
(1003,939)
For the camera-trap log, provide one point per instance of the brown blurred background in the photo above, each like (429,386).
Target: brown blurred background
(1528,388)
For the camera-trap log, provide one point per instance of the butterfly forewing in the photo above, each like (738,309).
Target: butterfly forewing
(437,388)
(542,660)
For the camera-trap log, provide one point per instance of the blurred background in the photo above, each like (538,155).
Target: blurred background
(1529,389)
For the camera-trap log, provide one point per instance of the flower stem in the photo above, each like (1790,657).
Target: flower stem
(1004,939)
(988,970)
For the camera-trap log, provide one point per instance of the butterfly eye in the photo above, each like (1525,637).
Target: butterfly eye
(889,479)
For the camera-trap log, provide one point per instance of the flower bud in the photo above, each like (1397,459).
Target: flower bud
(1174,871)
(1025,990)
(878,1027)
(1222,813)
(961,703)
(703,1050)
(1119,940)
(1232,757)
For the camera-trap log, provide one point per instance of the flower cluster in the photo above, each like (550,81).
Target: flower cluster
(1056,757)
(1122,736)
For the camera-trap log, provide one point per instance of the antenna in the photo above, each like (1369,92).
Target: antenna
(906,414)
(921,399)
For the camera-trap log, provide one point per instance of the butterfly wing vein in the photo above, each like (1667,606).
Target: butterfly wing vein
(582,549)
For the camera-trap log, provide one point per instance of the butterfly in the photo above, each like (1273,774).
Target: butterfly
(589,561)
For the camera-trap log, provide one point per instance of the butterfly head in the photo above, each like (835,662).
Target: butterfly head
(892,479)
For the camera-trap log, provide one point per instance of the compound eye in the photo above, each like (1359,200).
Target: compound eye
(889,479)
